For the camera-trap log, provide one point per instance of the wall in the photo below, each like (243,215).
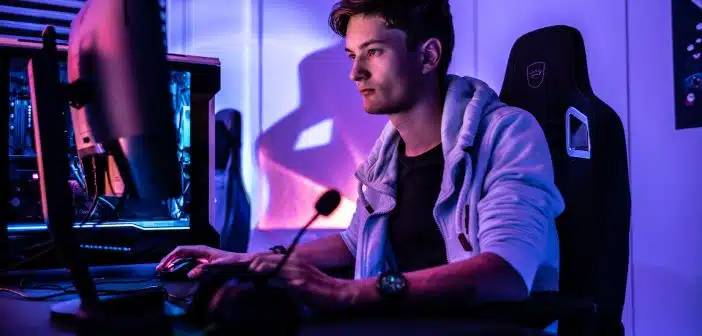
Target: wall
(309,116)
(666,184)
(306,130)
(227,30)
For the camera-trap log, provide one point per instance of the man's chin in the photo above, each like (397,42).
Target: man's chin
(377,110)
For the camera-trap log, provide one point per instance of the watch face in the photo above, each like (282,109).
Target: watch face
(392,283)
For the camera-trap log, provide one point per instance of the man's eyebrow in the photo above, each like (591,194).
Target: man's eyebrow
(367,43)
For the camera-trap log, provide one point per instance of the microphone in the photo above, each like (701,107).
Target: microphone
(326,204)
(255,302)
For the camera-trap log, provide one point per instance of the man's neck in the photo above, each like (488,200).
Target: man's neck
(420,127)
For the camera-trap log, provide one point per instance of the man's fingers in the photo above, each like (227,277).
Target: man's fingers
(262,263)
(182,252)
(254,263)
(196,271)
(234,259)
(269,263)
(205,263)
(169,257)
(263,266)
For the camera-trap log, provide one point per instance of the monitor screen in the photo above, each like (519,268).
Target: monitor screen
(25,210)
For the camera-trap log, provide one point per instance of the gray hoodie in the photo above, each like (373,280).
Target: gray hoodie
(497,192)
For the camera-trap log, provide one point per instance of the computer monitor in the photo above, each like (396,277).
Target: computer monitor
(119,96)
(143,231)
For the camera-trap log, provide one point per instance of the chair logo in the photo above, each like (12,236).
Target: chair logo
(535,74)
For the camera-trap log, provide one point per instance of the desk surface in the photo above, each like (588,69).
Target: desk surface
(21,317)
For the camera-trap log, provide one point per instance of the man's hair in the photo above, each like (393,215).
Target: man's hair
(419,19)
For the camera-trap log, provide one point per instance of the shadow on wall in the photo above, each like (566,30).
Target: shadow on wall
(317,146)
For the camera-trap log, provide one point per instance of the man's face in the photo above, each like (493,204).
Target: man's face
(384,71)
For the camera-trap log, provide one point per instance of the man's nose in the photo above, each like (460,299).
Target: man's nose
(358,71)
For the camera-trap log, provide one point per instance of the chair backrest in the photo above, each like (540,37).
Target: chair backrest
(223,145)
(232,208)
(547,76)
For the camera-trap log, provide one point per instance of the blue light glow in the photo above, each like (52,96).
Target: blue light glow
(141,225)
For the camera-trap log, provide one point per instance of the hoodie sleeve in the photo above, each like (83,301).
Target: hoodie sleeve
(517,213)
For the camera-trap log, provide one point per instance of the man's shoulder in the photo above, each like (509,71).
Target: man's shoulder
(507,114)
(505,120)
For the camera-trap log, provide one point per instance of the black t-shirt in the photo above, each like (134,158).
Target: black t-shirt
(413,233)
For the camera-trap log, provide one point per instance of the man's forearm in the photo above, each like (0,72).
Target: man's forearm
(483,278)
(326,253)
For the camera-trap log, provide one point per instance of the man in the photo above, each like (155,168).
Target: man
(456,199)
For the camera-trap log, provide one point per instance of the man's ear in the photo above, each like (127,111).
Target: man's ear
(431,52)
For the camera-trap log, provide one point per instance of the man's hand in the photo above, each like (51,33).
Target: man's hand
(206,256)
(316,288)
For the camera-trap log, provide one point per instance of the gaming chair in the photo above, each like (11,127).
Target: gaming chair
(547,75)
(232,208)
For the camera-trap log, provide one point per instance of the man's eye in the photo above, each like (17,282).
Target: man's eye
(373,52)
(352,56)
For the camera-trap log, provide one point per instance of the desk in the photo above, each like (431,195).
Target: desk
(20,317)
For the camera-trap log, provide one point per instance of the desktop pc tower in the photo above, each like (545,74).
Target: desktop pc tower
(114,230)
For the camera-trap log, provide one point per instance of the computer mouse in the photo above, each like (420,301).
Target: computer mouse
(178,269)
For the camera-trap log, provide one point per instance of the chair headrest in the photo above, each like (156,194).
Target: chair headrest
(227,135)
(547,63)
(230,119)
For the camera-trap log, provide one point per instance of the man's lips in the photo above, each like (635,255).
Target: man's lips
(367,92)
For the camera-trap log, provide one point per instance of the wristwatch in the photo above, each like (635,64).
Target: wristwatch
(392,285)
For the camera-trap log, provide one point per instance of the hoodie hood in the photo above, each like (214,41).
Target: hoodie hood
(467,101)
